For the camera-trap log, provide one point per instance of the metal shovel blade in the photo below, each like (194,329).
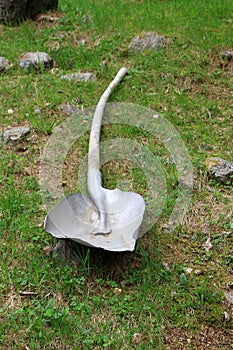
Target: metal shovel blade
(77,218)
(108,219)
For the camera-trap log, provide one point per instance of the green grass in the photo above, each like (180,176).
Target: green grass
(124,300)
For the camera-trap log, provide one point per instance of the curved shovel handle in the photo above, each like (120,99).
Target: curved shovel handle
(93,153)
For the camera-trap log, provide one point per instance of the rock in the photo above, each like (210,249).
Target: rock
(88,76)
(4,64)
(10,111)
(221,169)
(229,297)
(145,41)
(35,60)
(227,55)
(15,134)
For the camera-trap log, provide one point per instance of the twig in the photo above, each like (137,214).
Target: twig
(27,293)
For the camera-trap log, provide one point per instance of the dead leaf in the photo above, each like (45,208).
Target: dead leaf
(49,17)
(207,245)
(117,290)
(47,250)
(227,316)
(43,207)
(229,297)
(166,266)
(10,111)
(137,337)
(211,162)
(11,163)
(188,270)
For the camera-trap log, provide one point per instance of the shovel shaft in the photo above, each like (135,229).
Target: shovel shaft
(93,153)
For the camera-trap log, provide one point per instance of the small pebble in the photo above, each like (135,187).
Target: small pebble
(117,290)
(10,111)
(227,55)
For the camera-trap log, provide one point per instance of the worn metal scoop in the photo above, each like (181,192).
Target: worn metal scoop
(108,219)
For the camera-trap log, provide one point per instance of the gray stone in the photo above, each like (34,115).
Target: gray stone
(88,76)
(221,169)
(15,134)
(145,41)
(229,297)
(4,64)
(227,55)
(35,60)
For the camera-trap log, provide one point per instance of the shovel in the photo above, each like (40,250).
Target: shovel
(108,219)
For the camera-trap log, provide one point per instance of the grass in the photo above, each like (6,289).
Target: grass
(144,299)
